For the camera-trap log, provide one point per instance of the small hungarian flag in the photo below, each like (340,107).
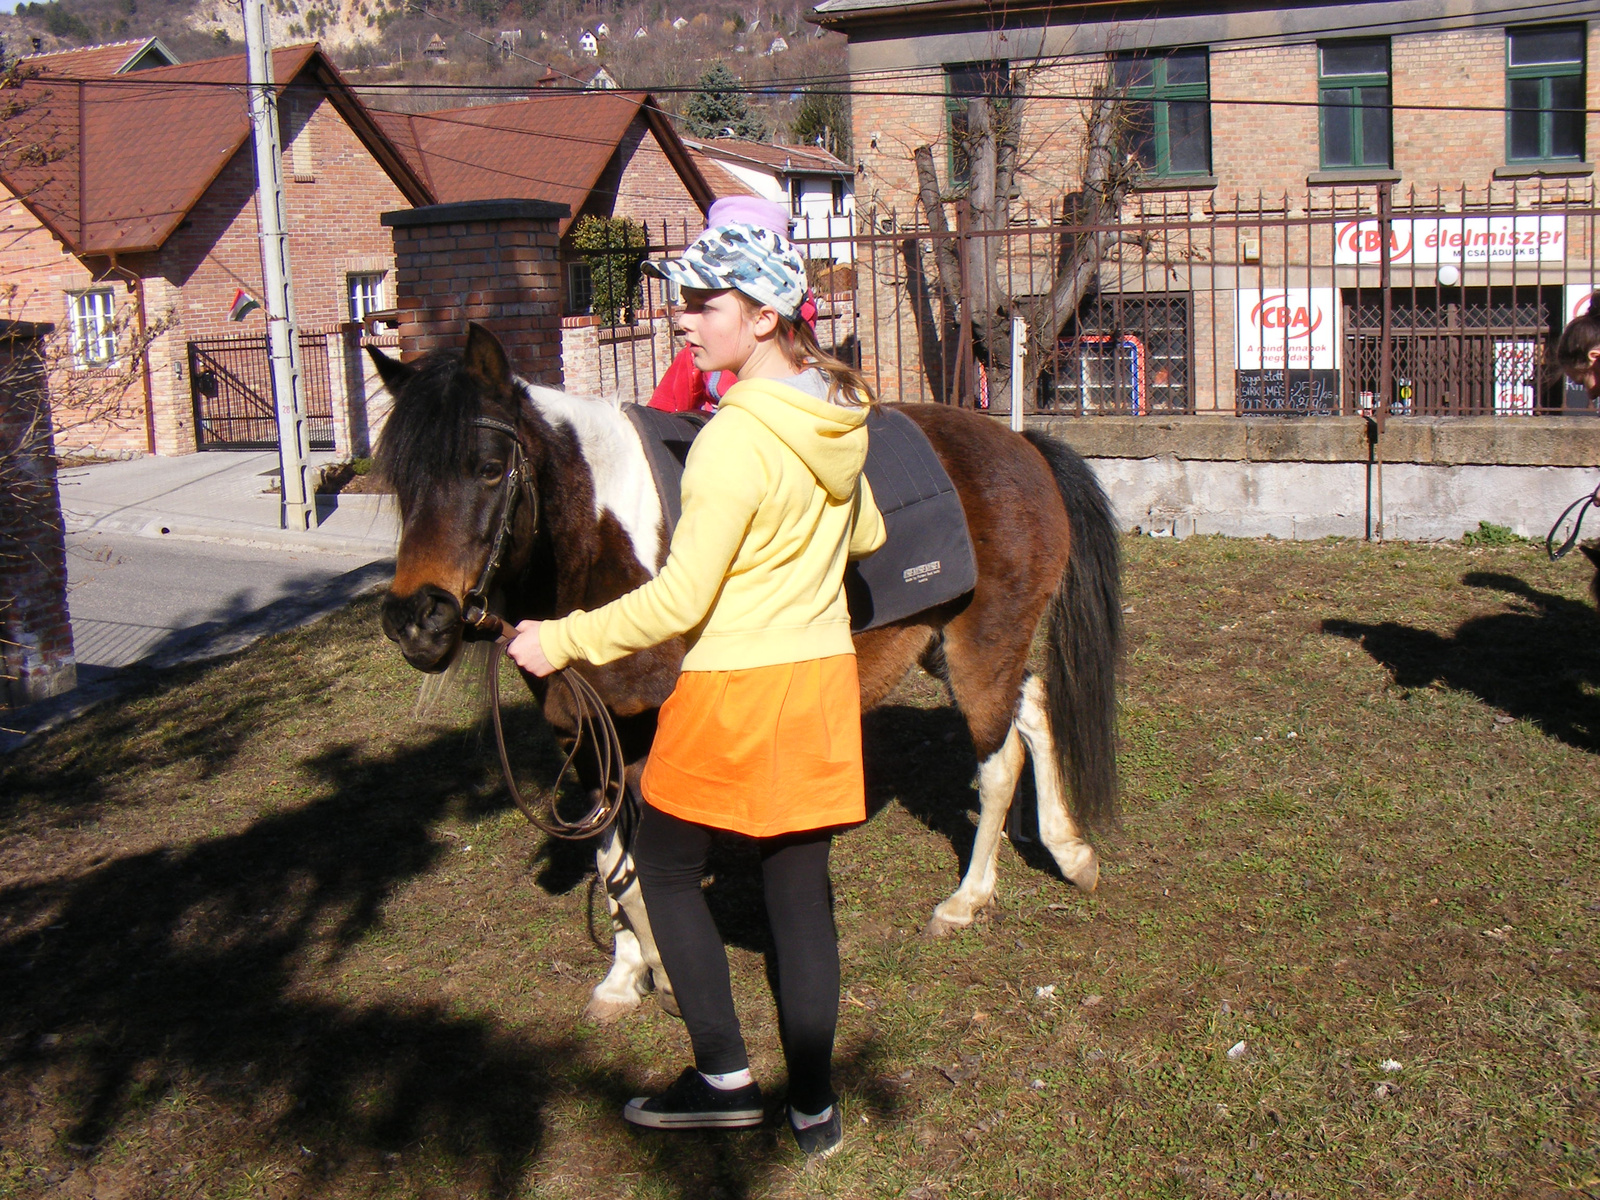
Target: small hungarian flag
(243,305)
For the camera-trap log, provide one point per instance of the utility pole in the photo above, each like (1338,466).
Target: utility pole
(283,342)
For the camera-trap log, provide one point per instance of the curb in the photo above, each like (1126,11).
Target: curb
(202,643)
(144,523)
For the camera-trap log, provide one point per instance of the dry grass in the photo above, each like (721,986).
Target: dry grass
(264,936)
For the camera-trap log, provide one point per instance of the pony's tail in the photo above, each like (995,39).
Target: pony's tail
(1083,628)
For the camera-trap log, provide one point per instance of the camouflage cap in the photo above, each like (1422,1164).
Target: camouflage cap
(758,262)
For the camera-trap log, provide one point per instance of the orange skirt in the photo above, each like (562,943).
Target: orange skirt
(763,751)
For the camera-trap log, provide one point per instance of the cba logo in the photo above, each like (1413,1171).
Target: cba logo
(1276,312)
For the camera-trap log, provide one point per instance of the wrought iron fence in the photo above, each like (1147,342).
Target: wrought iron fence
(1354,299)
(231,384)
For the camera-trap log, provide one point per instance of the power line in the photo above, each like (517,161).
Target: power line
(523,93)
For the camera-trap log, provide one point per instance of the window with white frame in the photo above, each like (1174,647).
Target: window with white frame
(797,192)
(94,328)
(366,294)
(838,197)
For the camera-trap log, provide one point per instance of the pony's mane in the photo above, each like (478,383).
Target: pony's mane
(429,433)
(429,437)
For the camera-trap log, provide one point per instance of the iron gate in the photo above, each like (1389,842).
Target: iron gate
(231,382)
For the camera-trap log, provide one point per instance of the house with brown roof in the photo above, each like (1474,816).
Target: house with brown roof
(600,152)
(817,188)
(127,208)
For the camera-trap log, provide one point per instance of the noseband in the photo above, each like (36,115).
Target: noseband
(594,723)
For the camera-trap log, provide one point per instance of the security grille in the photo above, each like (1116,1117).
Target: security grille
(1125,353)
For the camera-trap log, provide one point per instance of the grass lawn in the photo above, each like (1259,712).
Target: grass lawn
(264,934)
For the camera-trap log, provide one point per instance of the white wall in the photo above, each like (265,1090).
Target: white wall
(1300,500)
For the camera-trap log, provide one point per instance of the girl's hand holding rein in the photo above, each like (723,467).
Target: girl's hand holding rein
(527,651)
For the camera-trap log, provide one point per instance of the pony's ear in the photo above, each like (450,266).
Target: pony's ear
(1591,551)
(485,360)
(394,373)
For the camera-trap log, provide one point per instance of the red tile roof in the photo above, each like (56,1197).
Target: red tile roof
(97,62)
(547,147)
(805,160)
(113,164)
(723,183)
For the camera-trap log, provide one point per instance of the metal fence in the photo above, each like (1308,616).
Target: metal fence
(1359,299)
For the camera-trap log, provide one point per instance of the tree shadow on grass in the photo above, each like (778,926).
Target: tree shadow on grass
(184,966)
(1540,661)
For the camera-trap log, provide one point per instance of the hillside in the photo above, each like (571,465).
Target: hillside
(488,47)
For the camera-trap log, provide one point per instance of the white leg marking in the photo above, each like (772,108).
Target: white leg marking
(635,959)
(623,485)
(997,784)
(1059,832)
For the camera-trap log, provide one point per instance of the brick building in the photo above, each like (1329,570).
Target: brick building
(601,152)
(127,197)
(1273,143)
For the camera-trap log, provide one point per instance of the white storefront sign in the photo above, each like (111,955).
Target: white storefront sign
(1287,329)
(1454,240)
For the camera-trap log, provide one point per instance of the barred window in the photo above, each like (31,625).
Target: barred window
(94,330)
(1124,353)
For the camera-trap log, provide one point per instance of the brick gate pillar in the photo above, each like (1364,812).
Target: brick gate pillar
(35,630)
(496,262)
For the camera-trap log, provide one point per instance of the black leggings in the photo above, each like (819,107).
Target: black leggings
(671,857)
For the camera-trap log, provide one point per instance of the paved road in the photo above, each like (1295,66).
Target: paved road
(133,596)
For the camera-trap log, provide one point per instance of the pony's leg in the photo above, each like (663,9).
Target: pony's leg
(1057,830)
(997,784)
(635,960)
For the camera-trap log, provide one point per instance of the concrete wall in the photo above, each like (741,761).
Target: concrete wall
(1316,478)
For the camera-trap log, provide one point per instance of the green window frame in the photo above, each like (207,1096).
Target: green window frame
(1168,96)
(1355,104)
(1545,91)
(965,82)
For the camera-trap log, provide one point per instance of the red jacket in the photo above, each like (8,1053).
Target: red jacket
(684,388)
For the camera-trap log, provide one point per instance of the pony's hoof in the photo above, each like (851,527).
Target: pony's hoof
(1085,876)
(608,1009)
(669,1004)
(941,926)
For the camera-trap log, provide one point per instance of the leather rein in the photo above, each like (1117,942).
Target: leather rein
(594,724)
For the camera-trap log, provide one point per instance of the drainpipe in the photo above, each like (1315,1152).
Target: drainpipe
(136,282)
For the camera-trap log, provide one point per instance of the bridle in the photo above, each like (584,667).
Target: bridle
(594,723)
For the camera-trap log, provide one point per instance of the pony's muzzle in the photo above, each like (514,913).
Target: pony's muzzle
(426,625)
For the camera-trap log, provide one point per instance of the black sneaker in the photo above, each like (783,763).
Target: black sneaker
(819,1141)
(692,1103)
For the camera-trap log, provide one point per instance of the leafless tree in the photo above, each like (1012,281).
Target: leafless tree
(972,275)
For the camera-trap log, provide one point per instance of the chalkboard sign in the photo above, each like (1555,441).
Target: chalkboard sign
(1299,393)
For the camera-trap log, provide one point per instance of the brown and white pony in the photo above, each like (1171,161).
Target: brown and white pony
(1042,531)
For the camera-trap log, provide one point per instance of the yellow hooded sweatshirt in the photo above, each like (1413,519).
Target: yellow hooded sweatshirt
(774,505)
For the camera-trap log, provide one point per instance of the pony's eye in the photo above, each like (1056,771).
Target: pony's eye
(491,472)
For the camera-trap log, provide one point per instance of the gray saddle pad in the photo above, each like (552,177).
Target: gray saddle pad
(927,559)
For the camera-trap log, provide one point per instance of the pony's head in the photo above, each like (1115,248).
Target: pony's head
(447,452)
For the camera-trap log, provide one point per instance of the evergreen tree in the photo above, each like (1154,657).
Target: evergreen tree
(719,105)
(824,120)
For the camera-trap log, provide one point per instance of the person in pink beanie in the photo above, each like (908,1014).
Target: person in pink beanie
(684,387)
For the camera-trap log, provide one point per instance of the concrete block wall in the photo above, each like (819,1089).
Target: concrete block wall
(496,262)
(1312,478)
(35,629)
